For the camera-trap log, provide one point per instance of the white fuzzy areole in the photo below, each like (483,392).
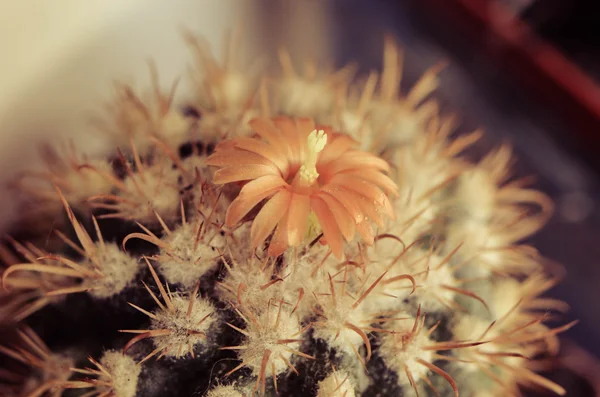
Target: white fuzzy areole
(182,266)
(414,217)
(357,127)
(430,284)
(475,207)
(399,123)
(387,296)
(253,278)
(179,341)
(304,98)
(337,384)
(300,277)
(223,94)
(174,128)
(332,327)
(119,270)
(238,242)
(214,125)
(124,373)
(398,355)
(265,337)
(193,164)
(473,233)
(506,295)
(476,192)
(469,327)
(489,248)
(224,391)
(383,297)
(418,170)
(413,262)
(86,182)
(160,193)
(229,93)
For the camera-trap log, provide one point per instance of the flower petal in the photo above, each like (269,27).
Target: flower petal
(366,206)
(264,149)
(346,200)
(370,210)
(267,130)
(268,217)
(331,231)
(376,177)
(342,217)
(366,232)
(289,131)
(279,242)
(359,185)
(224,145)
(357,160)
(260,185)
(224,158)
(236,173)
(242,205)
(337,144)
(366,189)
(298,218)
(305,126)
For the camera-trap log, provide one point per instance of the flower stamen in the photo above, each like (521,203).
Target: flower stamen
(307,175)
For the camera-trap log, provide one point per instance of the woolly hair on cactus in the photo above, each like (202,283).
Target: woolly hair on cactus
(116,375)
(293,235)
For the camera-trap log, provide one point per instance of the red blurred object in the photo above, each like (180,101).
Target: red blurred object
(540,66)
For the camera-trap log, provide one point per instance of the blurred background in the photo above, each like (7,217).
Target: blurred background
(527,71)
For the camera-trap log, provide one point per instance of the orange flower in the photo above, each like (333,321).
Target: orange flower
(302,170)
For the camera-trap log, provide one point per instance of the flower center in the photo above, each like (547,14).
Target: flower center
(307,174)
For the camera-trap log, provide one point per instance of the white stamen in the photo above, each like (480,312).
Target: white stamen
(316,142)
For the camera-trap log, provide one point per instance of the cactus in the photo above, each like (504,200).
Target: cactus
(305,235)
